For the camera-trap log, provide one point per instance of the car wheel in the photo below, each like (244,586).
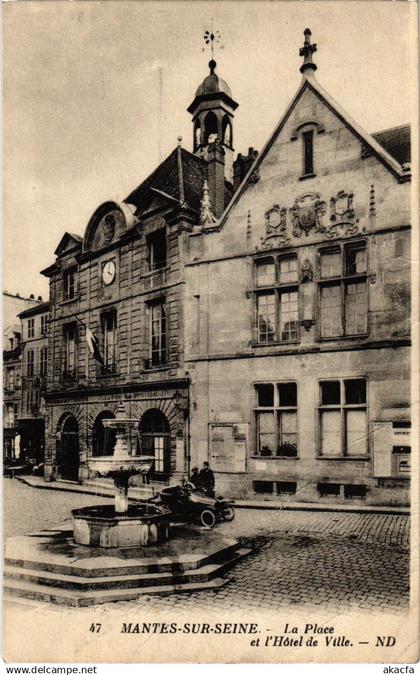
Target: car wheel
(228,514)
(208,518)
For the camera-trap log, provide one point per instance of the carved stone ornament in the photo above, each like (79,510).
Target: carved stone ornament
(341,207)
(255,176)
(108,227)
(342,216)
(275,223)
(307,323)
(306,272)
(307,213)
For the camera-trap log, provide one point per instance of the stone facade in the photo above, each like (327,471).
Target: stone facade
(34,345)
(298,318)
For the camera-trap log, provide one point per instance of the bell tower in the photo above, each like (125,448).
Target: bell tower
(212,116)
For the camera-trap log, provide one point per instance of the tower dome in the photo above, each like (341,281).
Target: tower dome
(213,84)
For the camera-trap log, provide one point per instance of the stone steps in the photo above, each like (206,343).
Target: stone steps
(59,596)
(92,568)
(203,573)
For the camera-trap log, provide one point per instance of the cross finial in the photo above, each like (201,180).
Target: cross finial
(306,51)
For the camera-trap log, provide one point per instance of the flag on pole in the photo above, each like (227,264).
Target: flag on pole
(93,345)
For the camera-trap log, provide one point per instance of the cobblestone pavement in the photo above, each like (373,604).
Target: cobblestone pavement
(330,560)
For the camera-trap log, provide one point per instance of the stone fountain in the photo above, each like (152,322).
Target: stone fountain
(120,525)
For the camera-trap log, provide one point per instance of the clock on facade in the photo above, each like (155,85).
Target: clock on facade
(108,272)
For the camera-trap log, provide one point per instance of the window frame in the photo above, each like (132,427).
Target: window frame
(70,274)
(109,366)
(30,363)
(44,323)
(163,348)
(43,362)
(276,289)
(150,244)
(31,328)
(69,373)
(276,409)
(342,407)
(343,281)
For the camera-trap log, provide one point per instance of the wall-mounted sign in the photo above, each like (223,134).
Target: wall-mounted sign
(228,445)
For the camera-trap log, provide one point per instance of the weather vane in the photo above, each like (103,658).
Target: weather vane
(212,38)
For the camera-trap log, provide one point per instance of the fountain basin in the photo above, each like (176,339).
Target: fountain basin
(104,466)
(100,526)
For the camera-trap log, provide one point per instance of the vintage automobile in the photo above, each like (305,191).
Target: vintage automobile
(187,503)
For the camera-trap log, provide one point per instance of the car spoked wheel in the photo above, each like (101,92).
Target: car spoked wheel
(228,514)
(208,518)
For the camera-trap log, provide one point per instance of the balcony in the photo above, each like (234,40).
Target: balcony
(107,370)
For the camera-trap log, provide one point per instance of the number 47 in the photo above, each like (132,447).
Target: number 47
(95,627)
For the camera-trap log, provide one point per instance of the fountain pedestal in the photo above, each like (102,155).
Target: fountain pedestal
(121,525)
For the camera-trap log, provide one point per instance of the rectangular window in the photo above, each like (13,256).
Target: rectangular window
(156,243)
(331,311)
(30,362)
(10,378)
(69,284)
(343,418)
(10,414)
(31,328)
(109,331)
(277,310)
(157,334)
(308,142)
(266,273)
(44,319)
(344,303)
(276,419)
(289,319)
(266,313)
(69,362)
(288,270)
(43,360)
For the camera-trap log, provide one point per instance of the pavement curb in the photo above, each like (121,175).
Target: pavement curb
(271,506)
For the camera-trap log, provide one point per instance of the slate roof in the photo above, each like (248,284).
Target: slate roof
(38,309)
(181,176)
(396,141)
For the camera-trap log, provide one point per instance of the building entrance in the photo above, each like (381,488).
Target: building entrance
(68,451)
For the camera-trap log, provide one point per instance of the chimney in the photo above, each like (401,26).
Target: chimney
(216,174)
(242,165)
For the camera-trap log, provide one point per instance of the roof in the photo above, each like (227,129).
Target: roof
(68,239)
(370,141)
(180,176)
(396,141)
(213,84)
(38,309)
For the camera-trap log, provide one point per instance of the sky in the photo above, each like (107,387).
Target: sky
(95,95)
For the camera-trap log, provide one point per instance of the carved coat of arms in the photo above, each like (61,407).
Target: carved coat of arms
(108,227)
(275,224)
(307,212)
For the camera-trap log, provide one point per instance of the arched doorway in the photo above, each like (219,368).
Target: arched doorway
(103,439)
(68,450)
(155,439)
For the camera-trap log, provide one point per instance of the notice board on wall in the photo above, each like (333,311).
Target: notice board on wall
(228,444)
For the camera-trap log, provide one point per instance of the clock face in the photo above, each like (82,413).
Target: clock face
(108,272)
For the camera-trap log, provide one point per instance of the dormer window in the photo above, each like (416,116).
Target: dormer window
(156,242)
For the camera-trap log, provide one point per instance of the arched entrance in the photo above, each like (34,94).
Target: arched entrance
(155,439)
(68,450)
(103,439)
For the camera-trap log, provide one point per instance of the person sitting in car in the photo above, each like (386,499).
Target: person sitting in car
(206,477)
(194,479)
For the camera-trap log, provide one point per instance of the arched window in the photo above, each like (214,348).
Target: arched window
(227,131)
(103,439)
(155,440)
(210,128)
(197,135)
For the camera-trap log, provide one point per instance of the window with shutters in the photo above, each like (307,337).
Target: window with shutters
(69,350)
(109,332)
(157,328)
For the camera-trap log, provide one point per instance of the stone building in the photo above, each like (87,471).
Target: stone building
(122,286)
(12,367)
(297,313)
(34,347)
